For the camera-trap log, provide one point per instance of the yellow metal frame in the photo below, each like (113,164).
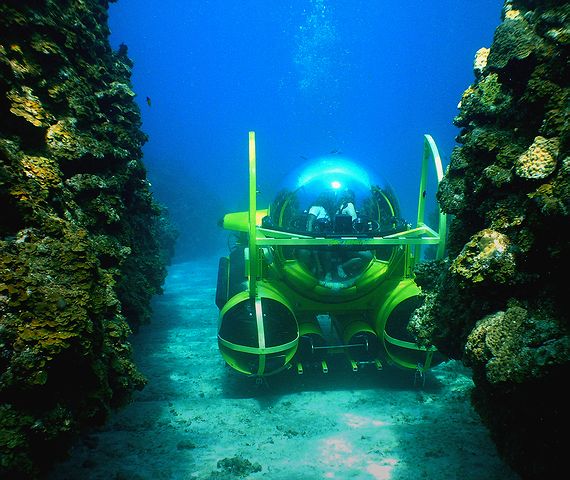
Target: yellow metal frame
(396,285)
(253,252)
(418,236)
(265,291)
(431,150)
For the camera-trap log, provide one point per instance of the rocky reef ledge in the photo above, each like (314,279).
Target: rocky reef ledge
(83,245)
(499,302)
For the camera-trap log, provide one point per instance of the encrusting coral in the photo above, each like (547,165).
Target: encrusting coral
(480,62)
(485,257)
(499,302)
(83,245)
(539,161)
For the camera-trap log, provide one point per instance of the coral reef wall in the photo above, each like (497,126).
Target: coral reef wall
(499,301)
(83,246)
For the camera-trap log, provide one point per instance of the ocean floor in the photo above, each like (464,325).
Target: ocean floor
(197,419)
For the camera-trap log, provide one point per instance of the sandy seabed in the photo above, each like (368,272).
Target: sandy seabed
(198,419)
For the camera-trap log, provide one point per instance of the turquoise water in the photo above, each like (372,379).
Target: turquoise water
(195,412)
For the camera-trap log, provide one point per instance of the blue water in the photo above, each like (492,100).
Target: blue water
(366,78)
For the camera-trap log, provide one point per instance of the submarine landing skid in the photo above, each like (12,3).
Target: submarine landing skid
(336,347)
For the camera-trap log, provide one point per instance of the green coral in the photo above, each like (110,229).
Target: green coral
(83,245)
(238,466)
(514,40)
(500,303)
(553,197)
(487,99)
(26,105)
(422,324)
(516,347)
(486,256)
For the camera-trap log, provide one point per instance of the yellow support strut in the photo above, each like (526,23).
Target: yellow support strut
(253,274)
(430,150)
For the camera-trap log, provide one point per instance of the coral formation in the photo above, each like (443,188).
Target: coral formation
(83,245)
(498,302)
(539,161)
(236,467)
(514,346)
(480,61)
(485,257)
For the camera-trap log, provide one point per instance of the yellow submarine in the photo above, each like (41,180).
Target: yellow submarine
(325,270)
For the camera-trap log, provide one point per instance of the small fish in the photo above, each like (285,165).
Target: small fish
(303,157)
(148,101)
(335,151)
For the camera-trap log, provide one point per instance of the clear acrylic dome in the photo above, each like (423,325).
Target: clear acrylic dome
(329,182)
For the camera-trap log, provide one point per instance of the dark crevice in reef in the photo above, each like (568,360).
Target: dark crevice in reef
(83,245)
(499,302)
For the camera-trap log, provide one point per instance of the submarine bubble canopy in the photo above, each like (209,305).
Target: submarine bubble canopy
(331,173)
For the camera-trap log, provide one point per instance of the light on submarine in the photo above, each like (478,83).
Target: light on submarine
(325,269)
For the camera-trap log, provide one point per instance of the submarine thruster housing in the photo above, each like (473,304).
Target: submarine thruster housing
(326,269)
